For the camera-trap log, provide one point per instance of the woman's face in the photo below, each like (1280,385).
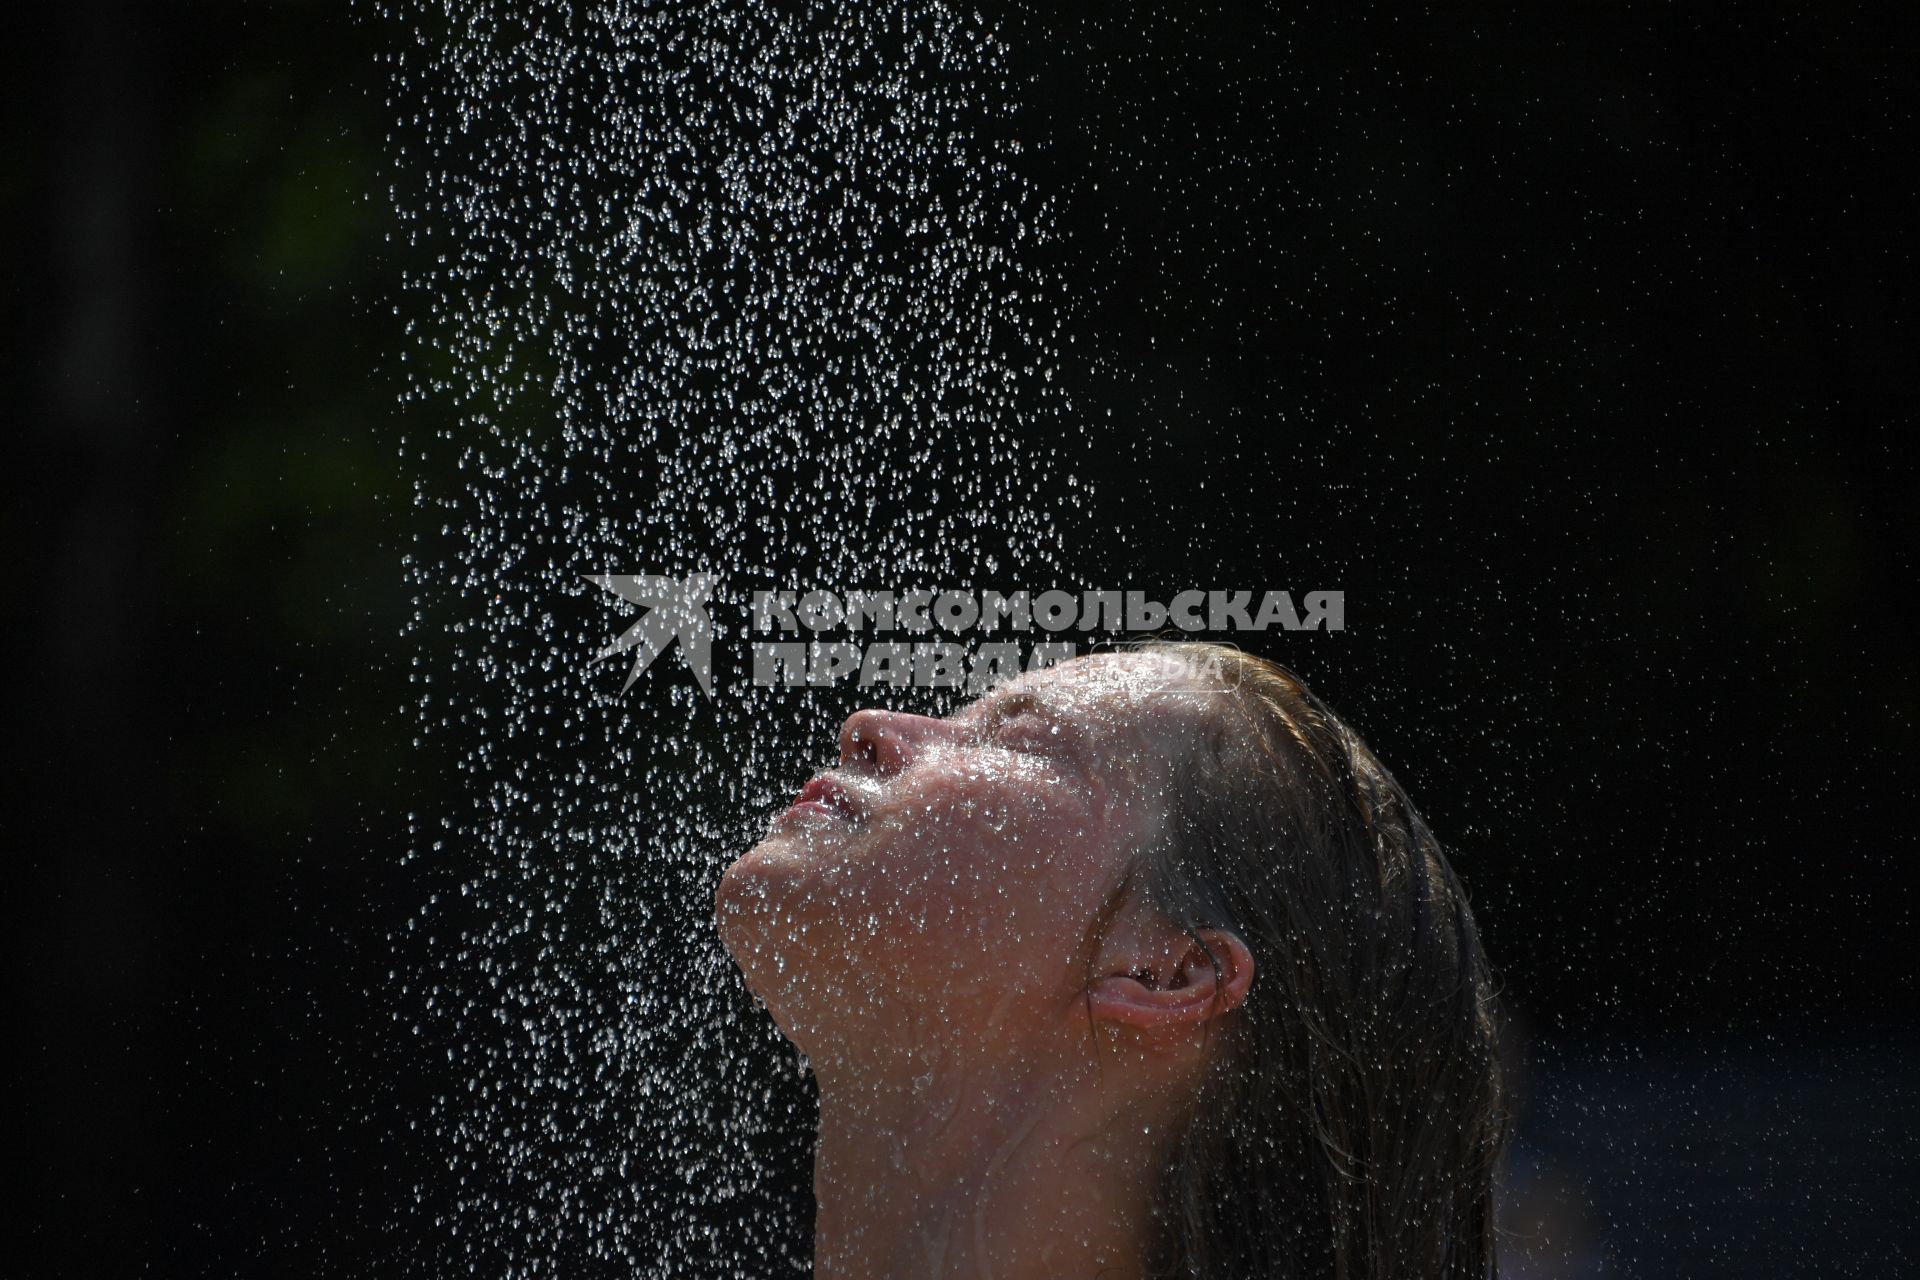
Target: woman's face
(955,868)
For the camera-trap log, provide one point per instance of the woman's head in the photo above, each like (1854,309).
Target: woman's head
(1172,870)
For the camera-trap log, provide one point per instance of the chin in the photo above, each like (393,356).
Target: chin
(740,896)
(754,911)
(754,905)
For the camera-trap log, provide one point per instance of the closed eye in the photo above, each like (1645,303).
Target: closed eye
(1027,728)
(1019,724)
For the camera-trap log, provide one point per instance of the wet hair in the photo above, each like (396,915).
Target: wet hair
(1353,1116)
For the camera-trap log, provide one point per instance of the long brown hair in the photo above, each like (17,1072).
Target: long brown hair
(1354,1117)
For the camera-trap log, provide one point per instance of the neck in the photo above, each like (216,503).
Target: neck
(992,1171)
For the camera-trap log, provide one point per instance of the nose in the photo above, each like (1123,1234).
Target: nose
(887,741)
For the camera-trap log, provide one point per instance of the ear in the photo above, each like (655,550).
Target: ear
(1178,987)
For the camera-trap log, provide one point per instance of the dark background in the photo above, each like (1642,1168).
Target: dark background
(1574,347)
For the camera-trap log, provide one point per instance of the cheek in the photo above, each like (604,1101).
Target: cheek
(995,871)
(959,874)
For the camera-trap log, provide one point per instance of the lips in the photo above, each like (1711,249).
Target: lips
(827,798)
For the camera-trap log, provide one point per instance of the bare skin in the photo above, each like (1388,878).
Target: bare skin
(1008,1039)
